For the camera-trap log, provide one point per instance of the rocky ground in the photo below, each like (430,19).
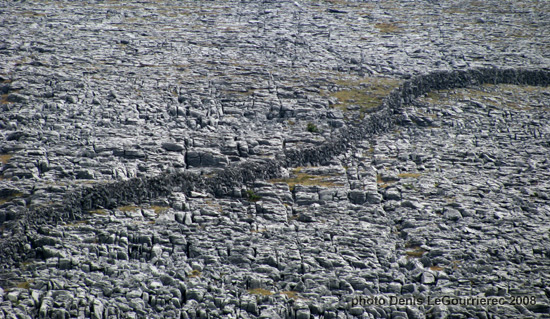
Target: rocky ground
(452,200)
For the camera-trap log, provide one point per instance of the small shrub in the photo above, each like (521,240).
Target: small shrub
(312,128)
(253,197)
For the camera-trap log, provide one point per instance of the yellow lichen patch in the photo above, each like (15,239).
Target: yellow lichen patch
(260,291)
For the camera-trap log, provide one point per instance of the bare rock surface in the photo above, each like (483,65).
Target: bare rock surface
(233,159)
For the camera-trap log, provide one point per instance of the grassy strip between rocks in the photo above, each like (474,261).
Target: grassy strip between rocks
(299,178)
(362,94)
(131,208)
(10,197)
(264,292)
(487,94)
(4,158)
(383,182)
(387,27)
(195,274)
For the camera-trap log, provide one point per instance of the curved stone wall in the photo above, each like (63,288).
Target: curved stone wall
(18,246)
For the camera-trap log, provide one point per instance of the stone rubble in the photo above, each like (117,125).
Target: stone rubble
(142,146)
